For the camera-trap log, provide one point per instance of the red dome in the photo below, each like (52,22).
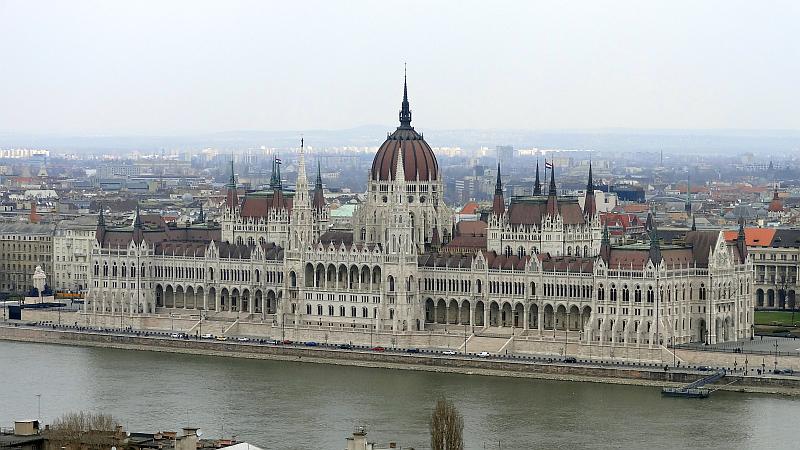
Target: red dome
(419,162)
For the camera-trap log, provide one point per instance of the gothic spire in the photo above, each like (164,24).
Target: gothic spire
(552,200)
(537,185)
(405,109)
(589,207)
(741,244)
(101,220)
(498,204)
(655,246)
(688,206)
(319,196)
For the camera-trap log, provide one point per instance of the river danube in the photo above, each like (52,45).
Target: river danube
(287,405)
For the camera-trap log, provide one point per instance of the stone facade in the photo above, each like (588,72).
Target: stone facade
(546,271)
(24,246)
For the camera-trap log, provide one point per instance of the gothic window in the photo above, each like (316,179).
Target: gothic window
(308,309)
(702,291)
(637,297)
(650,294)
(613,293)
(626,296)
(601,292)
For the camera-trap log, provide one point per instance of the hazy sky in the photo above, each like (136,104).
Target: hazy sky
(168,67)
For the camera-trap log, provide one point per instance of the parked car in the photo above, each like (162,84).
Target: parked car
(378,349)
(242,339)
(311,344)
(704,368)
(344,346)
(175,335)
(570,359)
(412,350)
(287,342)
(207,336)
(222,338)
(449,352)
(484,354)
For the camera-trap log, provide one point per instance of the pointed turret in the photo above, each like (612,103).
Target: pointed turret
(319,195)
(655,247)
(232,196)
(741,241)
(605,245)
(552,199)
(537,185)
(688,206)
(100,233)
(138,234)
(589,207)
(201,217)
(405,109)
(499,204)
(694,223)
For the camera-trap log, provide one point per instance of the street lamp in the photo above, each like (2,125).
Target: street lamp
(465,339)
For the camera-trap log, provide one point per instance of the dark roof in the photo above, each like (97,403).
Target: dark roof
(572,264)
(337,237)
(786,238)
(259,204)
(532,210)
(419,161)
(433,259)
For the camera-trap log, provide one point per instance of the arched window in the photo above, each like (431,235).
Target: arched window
(341,311)
(601,292)
(650,294)
(353,311)
(479,286)
(613,293)
(391,314)
(319,310)
(391,283)
(626,295)
(637,295)
(308,309)
(365,312)
(702,291)
(96,269)
(330,310)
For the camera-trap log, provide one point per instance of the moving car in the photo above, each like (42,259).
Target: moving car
(175,335)
(449,352)
(242,339)
(207,336)
(412,350)
(344,346)
(484,354)
(378,349)
(570,359)
(222,338)
(311,344)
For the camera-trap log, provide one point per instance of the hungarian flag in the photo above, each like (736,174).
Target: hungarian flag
(278,160)
(548,165)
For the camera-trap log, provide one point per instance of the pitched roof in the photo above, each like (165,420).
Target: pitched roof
(753,237)
(533,210)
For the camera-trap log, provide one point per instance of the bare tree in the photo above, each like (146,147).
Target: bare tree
(82,430)
(447,426)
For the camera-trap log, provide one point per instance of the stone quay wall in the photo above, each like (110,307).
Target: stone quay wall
(390,360)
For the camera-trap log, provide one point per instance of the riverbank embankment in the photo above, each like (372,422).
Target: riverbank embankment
(402,361)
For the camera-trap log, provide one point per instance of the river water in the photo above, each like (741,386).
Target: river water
(287,405)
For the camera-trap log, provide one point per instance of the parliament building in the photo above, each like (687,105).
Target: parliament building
(542,268)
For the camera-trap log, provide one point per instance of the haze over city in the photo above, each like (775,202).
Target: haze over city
(167,68)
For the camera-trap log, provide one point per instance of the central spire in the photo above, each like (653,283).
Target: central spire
(405,109)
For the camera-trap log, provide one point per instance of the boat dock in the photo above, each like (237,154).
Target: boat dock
(695,389)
